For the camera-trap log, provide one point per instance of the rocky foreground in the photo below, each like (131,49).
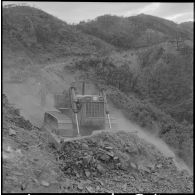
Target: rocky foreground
(121,162)
(104,162)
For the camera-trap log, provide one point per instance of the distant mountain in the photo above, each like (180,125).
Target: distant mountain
(187,26)
(135,31)
(33,36)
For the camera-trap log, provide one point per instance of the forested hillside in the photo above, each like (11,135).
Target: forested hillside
(135,31)
(187,26)
(32,36)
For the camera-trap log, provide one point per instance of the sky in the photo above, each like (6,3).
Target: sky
(74,12)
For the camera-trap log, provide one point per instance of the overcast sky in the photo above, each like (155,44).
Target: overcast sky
(74,12)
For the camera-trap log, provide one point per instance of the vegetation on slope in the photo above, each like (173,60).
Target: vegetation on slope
(33,36)
(167,79)
(187,26)
(133,32)
(126,97)
(163,78)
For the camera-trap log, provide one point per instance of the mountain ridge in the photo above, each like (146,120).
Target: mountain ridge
(133,31)
(42,37)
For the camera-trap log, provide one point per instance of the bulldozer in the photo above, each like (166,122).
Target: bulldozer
(84,114)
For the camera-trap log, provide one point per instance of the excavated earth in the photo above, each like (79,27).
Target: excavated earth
(103,162)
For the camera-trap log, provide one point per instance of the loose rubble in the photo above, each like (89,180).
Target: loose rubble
(124,157)
(107,152)
(102,163)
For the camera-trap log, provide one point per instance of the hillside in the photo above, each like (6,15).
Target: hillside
(128,94)
(135,31)
(31,36)
(188,26)
(154,49)
(146,76)
(104,163)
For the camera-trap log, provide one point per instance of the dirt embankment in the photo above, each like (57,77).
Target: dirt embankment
(28,164)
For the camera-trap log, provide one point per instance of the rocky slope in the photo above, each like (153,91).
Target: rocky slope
(26,162)
(104,162)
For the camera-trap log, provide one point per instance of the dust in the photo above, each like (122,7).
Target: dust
(119,122)
(30,99)
(35,95)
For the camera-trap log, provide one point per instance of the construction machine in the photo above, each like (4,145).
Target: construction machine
(86,113)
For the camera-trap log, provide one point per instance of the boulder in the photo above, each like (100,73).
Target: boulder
(123,166)
(108,147)
(111,153)
(84,146)
(89,189)
(115,158)
(124,187)
(104,157)
(100,168)
(87,173)
(159,166)
(97,188)
(86,159)
(44,183)
(143,168)
(80,186)
(12,132)
(23,186)
(133,165)
(9,149)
